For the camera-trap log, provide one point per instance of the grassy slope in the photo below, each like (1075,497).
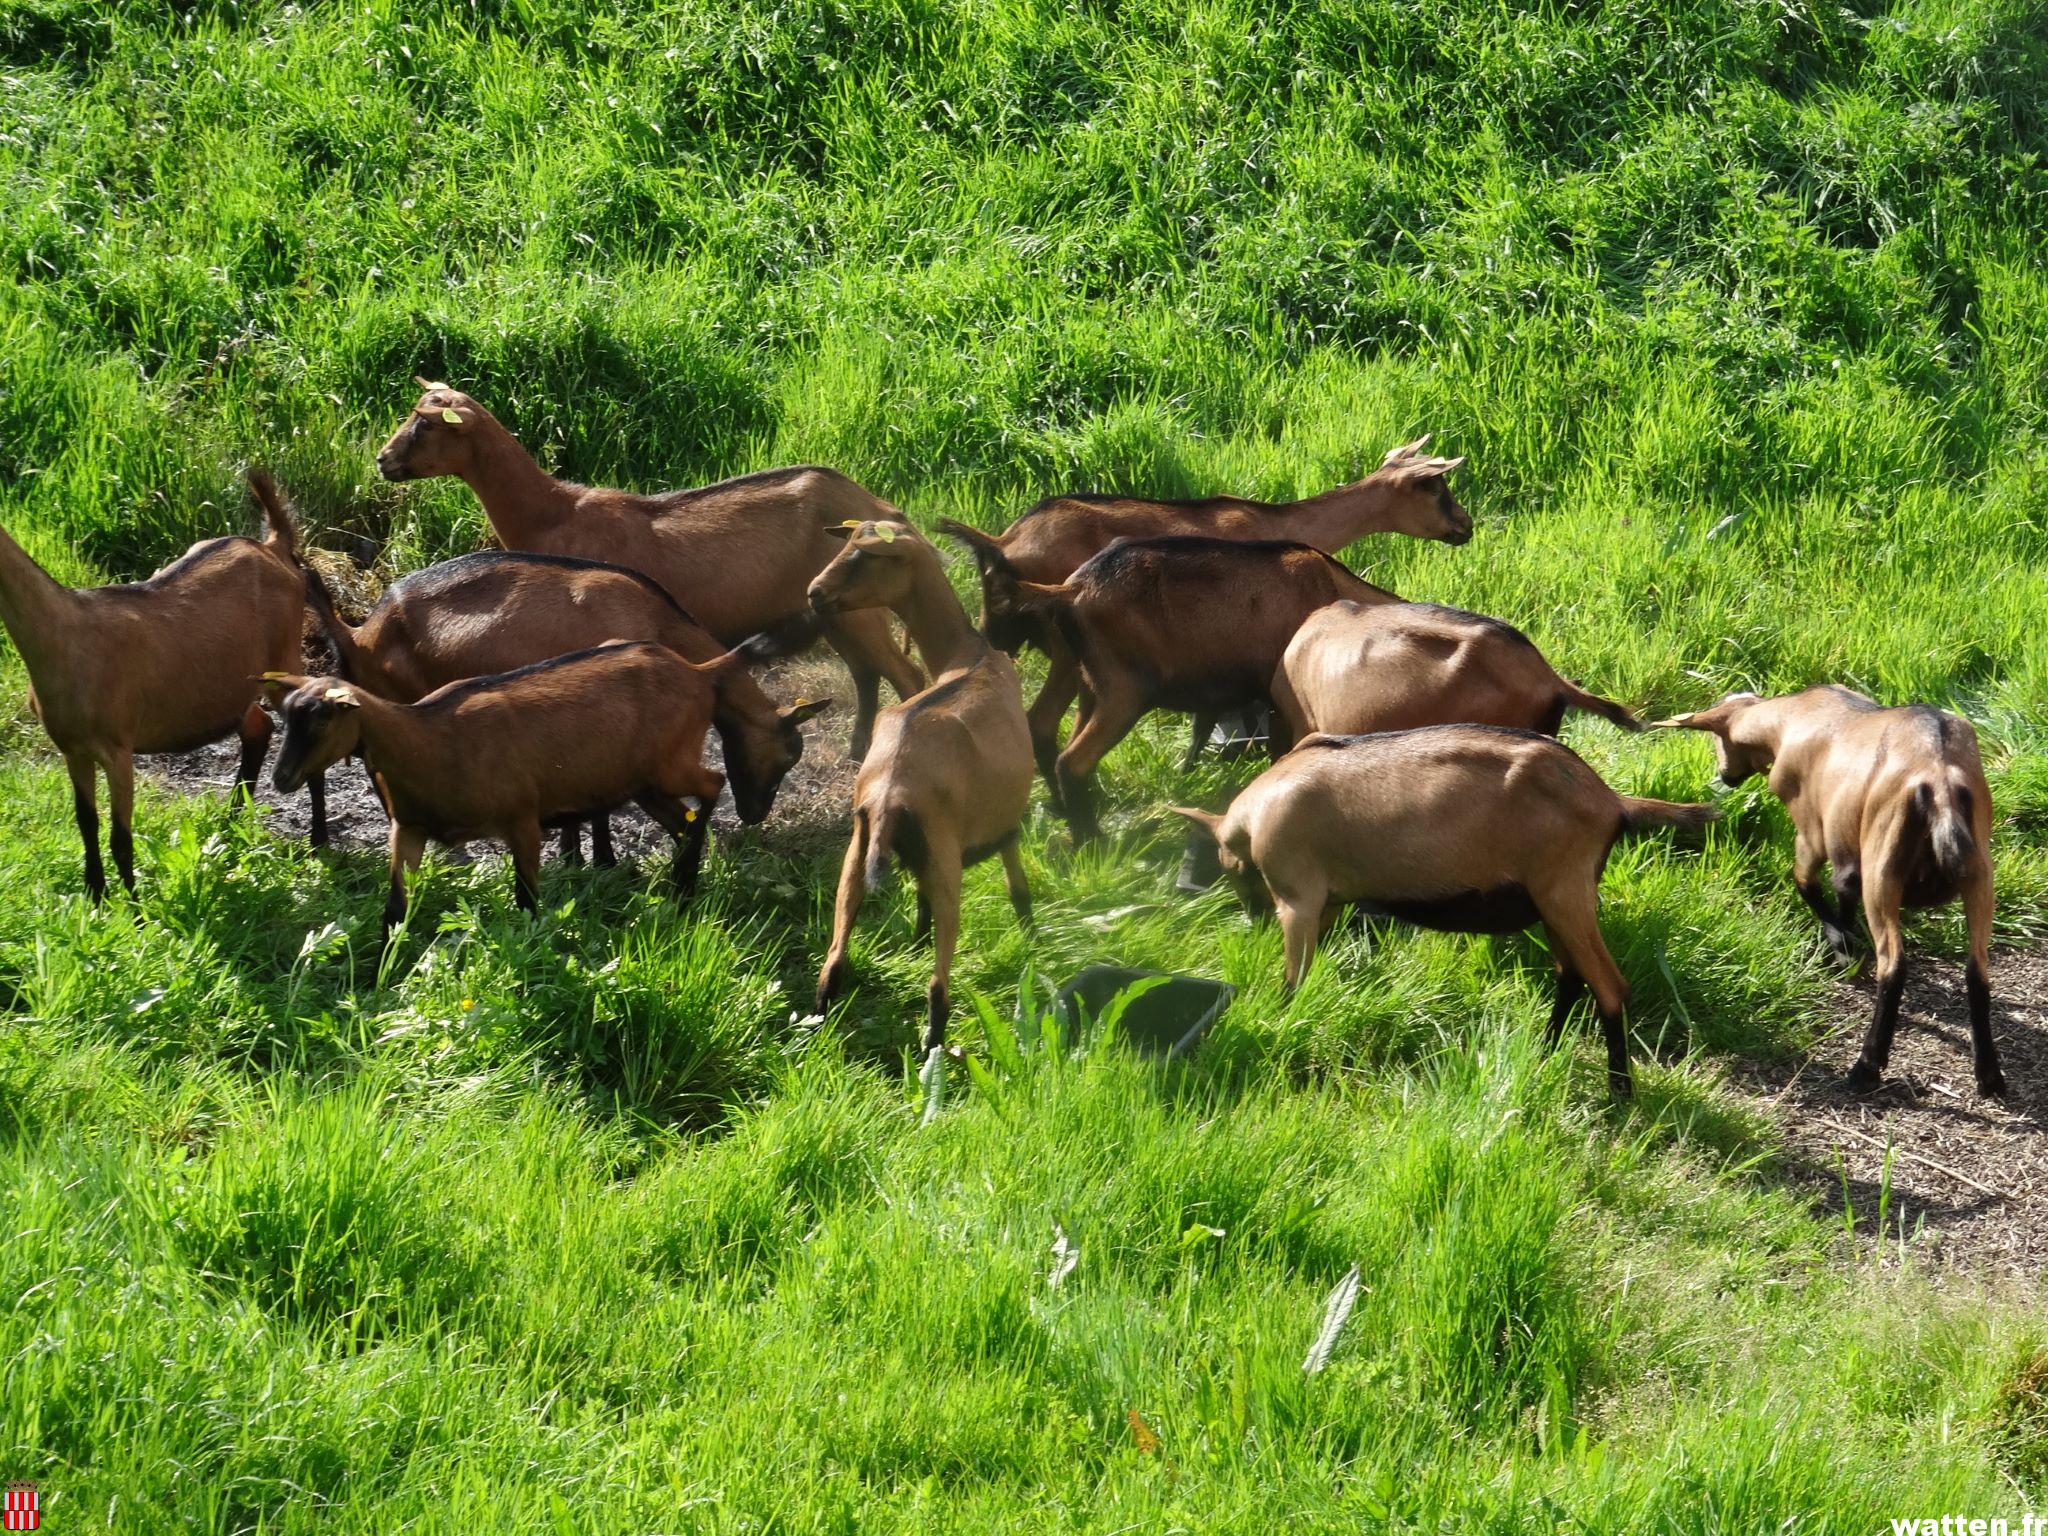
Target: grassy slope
(1737,309)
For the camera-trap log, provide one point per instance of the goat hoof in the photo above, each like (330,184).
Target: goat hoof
(1863,1077)
(1620,1085)
(1992,1087)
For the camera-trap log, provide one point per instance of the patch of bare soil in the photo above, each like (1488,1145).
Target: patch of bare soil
(811,805)
(1968,1182)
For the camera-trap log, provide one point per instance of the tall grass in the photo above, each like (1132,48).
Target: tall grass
(577,1223)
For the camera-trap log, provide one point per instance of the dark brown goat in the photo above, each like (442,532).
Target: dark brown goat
(1893,802)
(497,611)
(1409,493)
(737,555)
(949,779)
(1466,828)
(1355,668)
(501,757)
(162,665)
(1187,624)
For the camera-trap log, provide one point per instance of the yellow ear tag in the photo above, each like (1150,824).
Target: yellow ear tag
(886,532)
(800,703)
(451,416)
(276,677)
(851,522)
(339,696)
(689,813)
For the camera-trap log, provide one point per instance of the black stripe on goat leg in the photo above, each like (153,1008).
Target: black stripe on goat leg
(1977,982)
(571,833)
(255,733)
(121,810)
(602,854)
(524,841)
(316,810)
(1571,986)
(85,808)
(1868,1070)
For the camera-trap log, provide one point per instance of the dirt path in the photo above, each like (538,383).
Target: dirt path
(1968,1183)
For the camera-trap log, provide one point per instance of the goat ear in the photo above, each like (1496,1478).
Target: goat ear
(1717,719)
(1445,466)
(802,710)
(1402,451)
(279,686)
(1206,820)
(843,530)
(988,553)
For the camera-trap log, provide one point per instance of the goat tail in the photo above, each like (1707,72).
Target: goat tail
(284,534)
(879,827)
(1639,815)
(1576,697)
(1944,810)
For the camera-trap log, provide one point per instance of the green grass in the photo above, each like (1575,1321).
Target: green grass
(578,1224)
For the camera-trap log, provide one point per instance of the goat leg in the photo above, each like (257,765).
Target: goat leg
(1832,926)
(1201,726)
(1014,881)
(524,839)
(853,888)
(1571,986)
(85,808)
(1881,911)
(1977,982)
(121,805)
(406,844)
(316,810)
(255,731)
(602,853)
(571,833)
(939,884)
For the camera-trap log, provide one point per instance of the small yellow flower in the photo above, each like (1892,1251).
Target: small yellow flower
(468,1003)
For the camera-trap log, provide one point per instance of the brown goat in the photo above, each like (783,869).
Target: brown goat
(737,555)
(1894,803)
(496,611)
(1409,493)
(948,781)
(162,665)
(1354,668)
(1464,828)
(1187,624)
(501,757)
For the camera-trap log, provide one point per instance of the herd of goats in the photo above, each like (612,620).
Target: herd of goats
(1416,773)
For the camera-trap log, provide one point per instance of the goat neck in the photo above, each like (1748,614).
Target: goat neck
(522,500)
(937,623)
(34,607)
(1334,518)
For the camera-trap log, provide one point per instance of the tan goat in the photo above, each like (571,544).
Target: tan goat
(501,757)
(1465,828)
(948,780)
(162,665)
(737,555)
(1353,668)
(495,611)
(1894,803)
